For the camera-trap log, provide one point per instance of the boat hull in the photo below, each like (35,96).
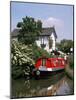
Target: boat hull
(43,74)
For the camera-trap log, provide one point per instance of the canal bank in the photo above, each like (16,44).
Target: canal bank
(69,71)
(69,68)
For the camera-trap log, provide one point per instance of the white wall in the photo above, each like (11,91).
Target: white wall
(38,42)
(54,42)
(47,44)
(46,41)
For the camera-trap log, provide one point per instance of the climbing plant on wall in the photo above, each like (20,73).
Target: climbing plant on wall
(50,43)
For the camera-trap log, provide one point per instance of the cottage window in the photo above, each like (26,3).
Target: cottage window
(43,45)
(42,40)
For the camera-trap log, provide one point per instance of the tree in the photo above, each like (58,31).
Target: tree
(65,45)
(29,30)
(39,25)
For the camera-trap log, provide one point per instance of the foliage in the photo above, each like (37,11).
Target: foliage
(65,45)
(29,30)
(71,61)
(39,52)
(50,43)
(23,58)
(39,26)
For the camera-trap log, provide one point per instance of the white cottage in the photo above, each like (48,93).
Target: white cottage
(47,39)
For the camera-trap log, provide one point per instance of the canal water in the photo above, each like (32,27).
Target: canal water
(35,88)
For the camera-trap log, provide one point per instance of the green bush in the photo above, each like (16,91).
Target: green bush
(23,58)
(71,61)
(39,52)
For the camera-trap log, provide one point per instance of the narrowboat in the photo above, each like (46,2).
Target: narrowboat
(46,66)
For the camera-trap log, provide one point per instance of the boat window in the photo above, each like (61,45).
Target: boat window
(63,62)
(59,62)
(43,62)
(54,62)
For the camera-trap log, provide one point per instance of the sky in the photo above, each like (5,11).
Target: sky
(59,16)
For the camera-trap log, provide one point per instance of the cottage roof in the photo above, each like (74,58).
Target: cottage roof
(48,31)
(45,32)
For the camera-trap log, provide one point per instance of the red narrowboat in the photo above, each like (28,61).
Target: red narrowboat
(45,66)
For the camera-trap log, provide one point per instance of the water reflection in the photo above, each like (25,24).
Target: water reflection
(29,88)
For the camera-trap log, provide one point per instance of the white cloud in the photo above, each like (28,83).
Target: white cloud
(51,21)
